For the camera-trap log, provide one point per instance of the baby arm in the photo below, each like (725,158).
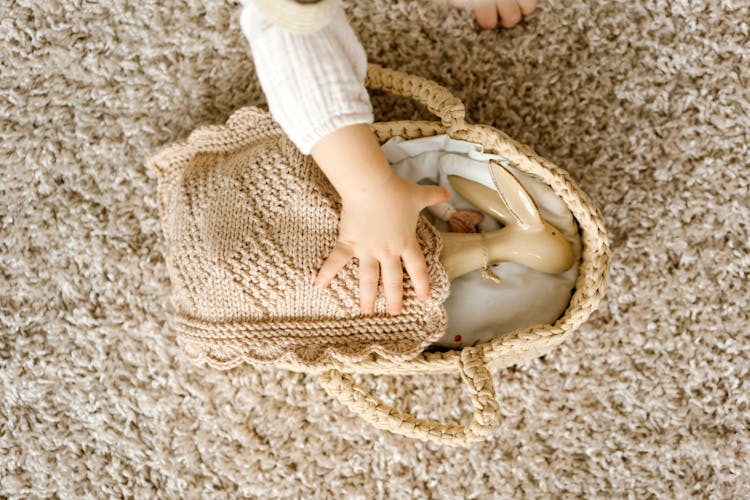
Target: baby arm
(378,217)
(314,84)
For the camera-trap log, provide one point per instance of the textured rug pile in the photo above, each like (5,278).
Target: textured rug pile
(644,103)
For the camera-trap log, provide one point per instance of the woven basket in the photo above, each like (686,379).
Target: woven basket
(472,363)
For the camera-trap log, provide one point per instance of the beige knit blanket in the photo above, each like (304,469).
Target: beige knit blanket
(248,220)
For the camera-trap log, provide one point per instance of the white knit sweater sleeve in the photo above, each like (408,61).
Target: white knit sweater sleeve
(313,82)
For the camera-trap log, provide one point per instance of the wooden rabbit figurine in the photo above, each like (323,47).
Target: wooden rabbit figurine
(525,237)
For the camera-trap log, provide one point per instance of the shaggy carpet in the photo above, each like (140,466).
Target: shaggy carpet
(644,103)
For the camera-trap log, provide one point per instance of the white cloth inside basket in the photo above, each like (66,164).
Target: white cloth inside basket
(480,309)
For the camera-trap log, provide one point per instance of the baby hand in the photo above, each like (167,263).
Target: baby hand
(487,11)
(378,227)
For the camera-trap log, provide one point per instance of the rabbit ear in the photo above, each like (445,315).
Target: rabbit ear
(482,197)
(521,205)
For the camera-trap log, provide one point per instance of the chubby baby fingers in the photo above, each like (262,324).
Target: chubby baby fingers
(338,258)
(368,284)
(416,268)
(393,283)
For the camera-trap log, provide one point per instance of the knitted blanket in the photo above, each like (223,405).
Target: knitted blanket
(248,221)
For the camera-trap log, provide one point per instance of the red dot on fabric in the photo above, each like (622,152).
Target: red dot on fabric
(457,338)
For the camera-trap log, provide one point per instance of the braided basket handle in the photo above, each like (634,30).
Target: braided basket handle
(436,98)
(473,371)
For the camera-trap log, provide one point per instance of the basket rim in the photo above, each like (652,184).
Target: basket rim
(524,343)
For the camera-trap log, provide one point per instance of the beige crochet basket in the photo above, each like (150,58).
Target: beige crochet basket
(472,363)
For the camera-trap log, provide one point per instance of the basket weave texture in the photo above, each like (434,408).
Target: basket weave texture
(250,321)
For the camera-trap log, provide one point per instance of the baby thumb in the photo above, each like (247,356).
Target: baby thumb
(434,195)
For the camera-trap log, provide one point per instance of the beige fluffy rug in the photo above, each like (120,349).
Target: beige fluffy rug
(645,103)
